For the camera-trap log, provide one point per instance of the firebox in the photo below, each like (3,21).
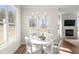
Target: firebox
(69,32)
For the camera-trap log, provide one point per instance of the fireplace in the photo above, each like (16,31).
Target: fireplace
(69,32)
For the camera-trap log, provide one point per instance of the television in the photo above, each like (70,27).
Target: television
(69,22)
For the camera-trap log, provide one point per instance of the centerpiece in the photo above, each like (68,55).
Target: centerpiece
(42,37)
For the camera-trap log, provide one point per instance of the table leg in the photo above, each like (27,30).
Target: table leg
(42,50)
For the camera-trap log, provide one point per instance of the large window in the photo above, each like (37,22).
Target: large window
(44,24)
(38,25)
(2,16)
(7,24)
(11,23)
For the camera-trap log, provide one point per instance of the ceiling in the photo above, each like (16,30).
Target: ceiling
(60,7)
(57,6)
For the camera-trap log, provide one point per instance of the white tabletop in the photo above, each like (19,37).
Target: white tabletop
(40,42)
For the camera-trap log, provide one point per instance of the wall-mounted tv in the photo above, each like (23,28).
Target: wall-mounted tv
(69,22)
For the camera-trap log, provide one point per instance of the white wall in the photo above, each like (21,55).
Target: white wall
(13,46)
(78,25)
(52,21)
(18,24)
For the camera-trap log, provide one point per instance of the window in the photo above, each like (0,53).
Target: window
(44,24)
(11,23)
(7,24)
(2,16)
(38,25)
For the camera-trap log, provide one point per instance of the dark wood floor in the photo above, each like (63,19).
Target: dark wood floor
(21,50)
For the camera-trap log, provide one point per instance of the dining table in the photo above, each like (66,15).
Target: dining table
(39,42)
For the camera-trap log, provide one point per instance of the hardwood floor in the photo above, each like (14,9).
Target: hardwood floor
(21,50)
(65,48)
(68,48)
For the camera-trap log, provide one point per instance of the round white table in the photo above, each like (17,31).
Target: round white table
(40,43)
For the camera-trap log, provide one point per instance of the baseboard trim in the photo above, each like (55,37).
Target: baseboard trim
(23,43)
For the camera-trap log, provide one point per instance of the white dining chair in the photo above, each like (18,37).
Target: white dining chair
(31,48)
(48,48)
(56,45)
